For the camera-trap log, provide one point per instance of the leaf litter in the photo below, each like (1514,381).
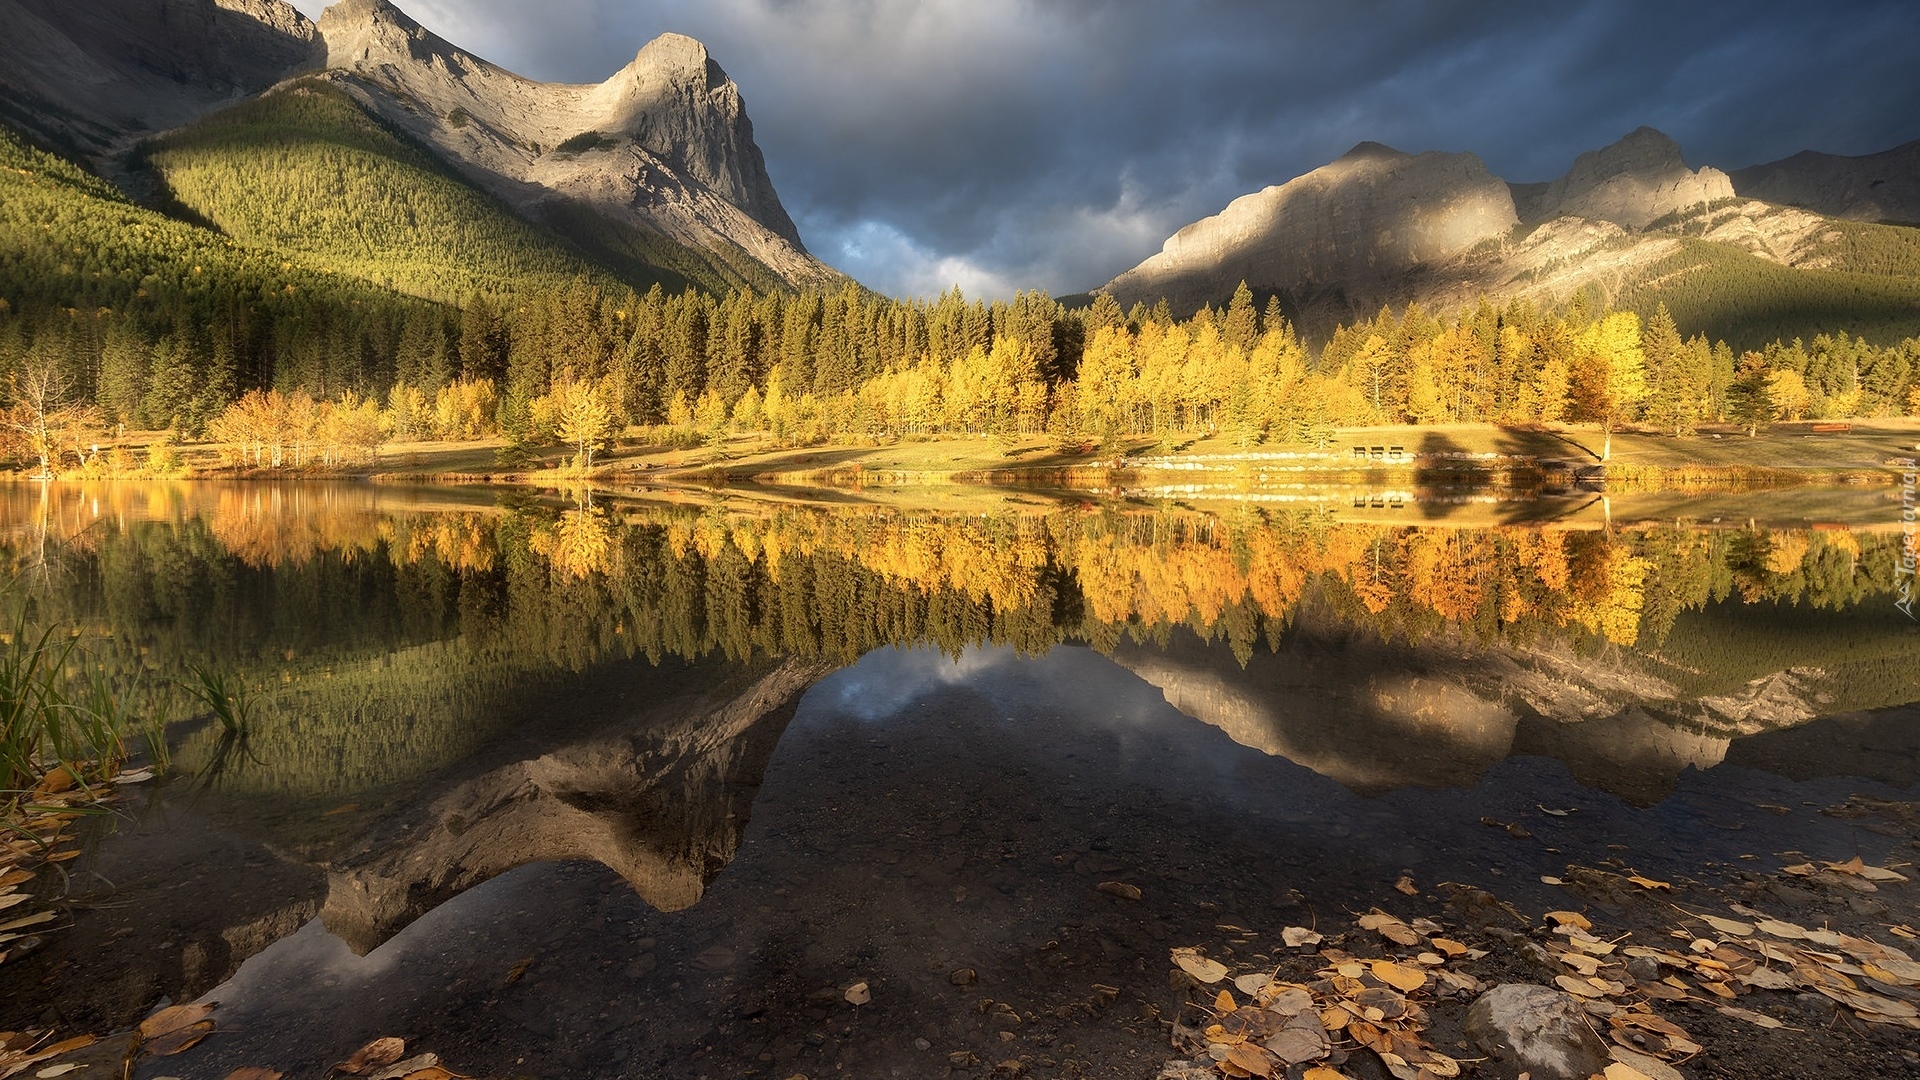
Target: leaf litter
(1381,1006)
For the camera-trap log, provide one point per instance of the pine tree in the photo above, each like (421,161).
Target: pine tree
(1749,397)
(124,360)
(173,377)
(483,341)
(1239,328)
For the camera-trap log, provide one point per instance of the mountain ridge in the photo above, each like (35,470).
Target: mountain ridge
(1882,187)
(1612,226)
(653,169)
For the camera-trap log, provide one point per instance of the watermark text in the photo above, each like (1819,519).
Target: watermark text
(1903,574)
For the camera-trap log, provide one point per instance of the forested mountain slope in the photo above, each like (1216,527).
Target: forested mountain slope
(165,321)
(651,176)
(355,195)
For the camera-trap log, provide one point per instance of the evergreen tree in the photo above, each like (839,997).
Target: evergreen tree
(1749,398)
(124,360)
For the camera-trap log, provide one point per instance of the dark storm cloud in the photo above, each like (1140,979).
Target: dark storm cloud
(1001,145)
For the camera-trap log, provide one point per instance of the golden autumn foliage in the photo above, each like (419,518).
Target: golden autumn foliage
(1086,572)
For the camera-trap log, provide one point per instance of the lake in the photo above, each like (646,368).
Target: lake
(559,784)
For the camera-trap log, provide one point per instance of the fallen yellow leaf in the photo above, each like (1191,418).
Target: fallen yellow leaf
(377,1054)
(1201,968)
(1404,979)
(174,1042)
(173,1018)
(1252,1059)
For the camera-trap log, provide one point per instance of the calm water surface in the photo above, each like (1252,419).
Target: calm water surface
(638,787)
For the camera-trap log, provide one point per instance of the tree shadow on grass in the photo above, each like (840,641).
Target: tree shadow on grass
(1438,476)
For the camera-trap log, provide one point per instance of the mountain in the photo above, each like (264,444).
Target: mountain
(1881,187)
(355,196)
(1357,224)
(1375,716)
(1631,183)
(652,175)
(662,150)
(92,77)
(1629,224)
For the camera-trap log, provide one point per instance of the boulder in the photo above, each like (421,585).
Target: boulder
(1536,1030)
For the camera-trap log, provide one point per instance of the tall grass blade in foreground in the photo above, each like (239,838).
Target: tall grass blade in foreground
(232,707)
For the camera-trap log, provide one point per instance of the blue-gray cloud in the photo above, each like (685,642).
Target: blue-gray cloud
(1003,144)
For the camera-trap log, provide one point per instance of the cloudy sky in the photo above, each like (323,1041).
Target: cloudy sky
(1002,145)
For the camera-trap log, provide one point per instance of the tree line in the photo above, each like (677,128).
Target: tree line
(117,318)
(850,365)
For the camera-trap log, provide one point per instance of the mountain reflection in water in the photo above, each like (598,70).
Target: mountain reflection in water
(455,683)
(397,631)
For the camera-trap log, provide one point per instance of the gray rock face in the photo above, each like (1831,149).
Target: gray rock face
(663,804)
(1382,227)
(674,157)
(669,149)
(1873,187)
(1370,216)
(1632,183)
(94,75)
(1537,1031)
(1375,716)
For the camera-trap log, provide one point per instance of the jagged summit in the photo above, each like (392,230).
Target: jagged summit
(678,103)
(370,31)
(1380,226)
(677,52)
(1631,183)
(657,162)
(664,144)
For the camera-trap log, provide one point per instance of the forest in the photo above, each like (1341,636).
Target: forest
(294,351)
(580,364)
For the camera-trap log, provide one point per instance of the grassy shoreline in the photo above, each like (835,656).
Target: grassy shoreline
(1480,456)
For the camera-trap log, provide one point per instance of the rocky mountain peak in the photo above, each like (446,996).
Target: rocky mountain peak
(664,143)
(676,102)
(677,53)
(1644,149)
(1366,218)
(1631,183)
(1870,187)
(1368,150)
(359,33)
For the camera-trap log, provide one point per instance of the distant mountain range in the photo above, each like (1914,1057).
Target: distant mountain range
(366,147)
(1802,239)
(652,174)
